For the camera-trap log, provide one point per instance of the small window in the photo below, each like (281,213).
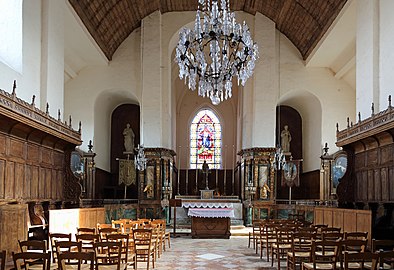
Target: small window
(11,33)
(205,140)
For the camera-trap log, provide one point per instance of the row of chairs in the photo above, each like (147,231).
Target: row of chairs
(111,253)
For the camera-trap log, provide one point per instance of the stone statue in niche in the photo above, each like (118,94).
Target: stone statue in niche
(285,139)
(128,138)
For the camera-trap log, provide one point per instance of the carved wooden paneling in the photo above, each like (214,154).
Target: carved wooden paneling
(46,156)
(34,180)
(16,148)
(387,154)
(13,226)
(10,180)
(385,188)
(2,178)
(391,184)
(2,144)
(33,153)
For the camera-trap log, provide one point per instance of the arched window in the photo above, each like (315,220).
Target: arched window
(205,140)
(11,33)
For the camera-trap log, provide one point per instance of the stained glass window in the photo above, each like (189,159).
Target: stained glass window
(205,140)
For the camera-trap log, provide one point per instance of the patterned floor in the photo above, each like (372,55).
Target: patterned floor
(199,254)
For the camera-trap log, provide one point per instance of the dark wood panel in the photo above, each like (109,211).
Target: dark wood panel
(391,184)
(2,178)
(34,180)
(46,156)
(10,180)
(33,153)
(2,144)
(384,184)
(16,148)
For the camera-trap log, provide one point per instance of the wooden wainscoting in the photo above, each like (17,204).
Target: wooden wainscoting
(350,220)
(13,226)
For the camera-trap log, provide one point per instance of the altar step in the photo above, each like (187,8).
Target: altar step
(236,230)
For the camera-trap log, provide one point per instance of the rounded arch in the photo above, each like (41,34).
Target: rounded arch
(309,107)
(104,105)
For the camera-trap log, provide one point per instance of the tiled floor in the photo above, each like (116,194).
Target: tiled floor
(186,253)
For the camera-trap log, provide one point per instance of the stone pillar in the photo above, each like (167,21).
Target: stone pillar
(261,92)
(386,27)
(52,56)
(367,57)
(151,109)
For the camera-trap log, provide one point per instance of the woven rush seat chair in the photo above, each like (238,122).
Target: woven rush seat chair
(324,255)
(360,261)
(32,260)
(143,247)
(76,261)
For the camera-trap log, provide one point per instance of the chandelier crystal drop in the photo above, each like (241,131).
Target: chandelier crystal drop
(216,50)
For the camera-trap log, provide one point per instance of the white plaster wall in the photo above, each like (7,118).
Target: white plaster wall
(386,57)
(81,94)
(299,87)
(28,82)
(52,55)
(367,66)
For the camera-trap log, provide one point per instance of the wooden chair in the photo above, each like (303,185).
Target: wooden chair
(143,249)
(85,230)
(386,259)
(68,246)
(103,225)
(33,245)
(108,256)
(355,235)
(382,244)
(76,261)
(104,232)
(124,240)
(282,245)
(254,235)
(351,246)
(57,237)
(23,260)
(267,238)
(3,257)
(361,260)
(87,241)
(301,248)
(324,255)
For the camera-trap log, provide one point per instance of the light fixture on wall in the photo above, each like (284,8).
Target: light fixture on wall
(216,50)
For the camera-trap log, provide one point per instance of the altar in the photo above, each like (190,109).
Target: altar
(210,218)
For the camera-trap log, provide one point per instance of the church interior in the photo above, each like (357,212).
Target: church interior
(117,112)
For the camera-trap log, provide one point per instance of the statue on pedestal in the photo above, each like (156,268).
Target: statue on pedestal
(128,139)
(285,139)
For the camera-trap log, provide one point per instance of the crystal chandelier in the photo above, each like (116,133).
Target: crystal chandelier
(216,50)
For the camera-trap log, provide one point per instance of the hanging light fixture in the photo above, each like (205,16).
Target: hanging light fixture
(216,50)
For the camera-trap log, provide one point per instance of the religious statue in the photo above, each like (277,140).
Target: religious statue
(128,138)
(285,139)
(264,191)
(205,170)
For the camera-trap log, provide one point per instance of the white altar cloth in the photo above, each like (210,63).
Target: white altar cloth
(211,212)
(205,204)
